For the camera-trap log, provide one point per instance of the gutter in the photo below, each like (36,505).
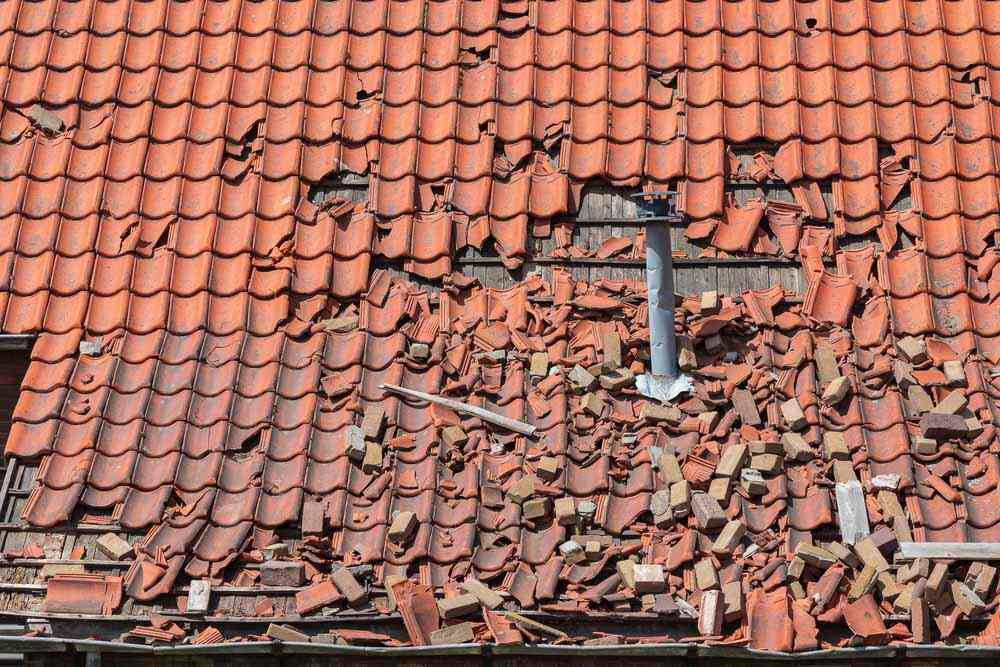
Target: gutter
(38,645)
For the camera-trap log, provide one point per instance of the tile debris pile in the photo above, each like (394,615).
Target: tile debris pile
(764,504)
(216,345)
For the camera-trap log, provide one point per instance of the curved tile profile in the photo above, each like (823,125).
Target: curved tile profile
(216,324)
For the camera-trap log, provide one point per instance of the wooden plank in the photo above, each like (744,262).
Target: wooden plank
(852,512)
(949,550)
(464,408)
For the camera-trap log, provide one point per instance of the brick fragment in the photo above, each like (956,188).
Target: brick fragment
(454,436)
(815,556)
(966,600)
(796,448)
(870,555)
(746,406)
(938,581)
(707,512)
(796,568)
(753,482)
(565,510)
(836,391)
(350,587)
(732,461)
(951,404)
(729,538)
(113,546)
(285,633)
(537,508)
(767,446)
(709,304)
(649,578)
(767,463)
(420,351)
(313,517)
(843,554)
(585,510)
(548,468)
(913,349)
(372,462)
(487,597)
(718,488)
(521,490)
(732,596)
(354,443)
(282,573)
(655,412)
(572,552)
(680,498)
(460,633)
(373,422)
(919,400)
(626,570)
(403,526)
(793,415)
(670,469)
(592,550)
(617,379)
(592,404)
(954,372)
(863,583)
(581,380)
(458,606)
(920,620)
(982,583)
(826,364)
(705,576)
(926,446)
(539,367)
(199,596)
(835,447)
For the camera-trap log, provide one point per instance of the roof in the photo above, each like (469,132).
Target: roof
(212,327)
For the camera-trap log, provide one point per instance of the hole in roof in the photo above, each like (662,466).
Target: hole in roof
(345,184)
(811,23)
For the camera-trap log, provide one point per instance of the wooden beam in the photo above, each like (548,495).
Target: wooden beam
(16,341)
(949,550)
(464,408)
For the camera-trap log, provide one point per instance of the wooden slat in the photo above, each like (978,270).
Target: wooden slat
(949,550)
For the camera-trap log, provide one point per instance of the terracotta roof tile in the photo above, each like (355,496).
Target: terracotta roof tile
(160,163)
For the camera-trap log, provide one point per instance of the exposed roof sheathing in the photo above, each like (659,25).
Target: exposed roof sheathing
(211,332)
